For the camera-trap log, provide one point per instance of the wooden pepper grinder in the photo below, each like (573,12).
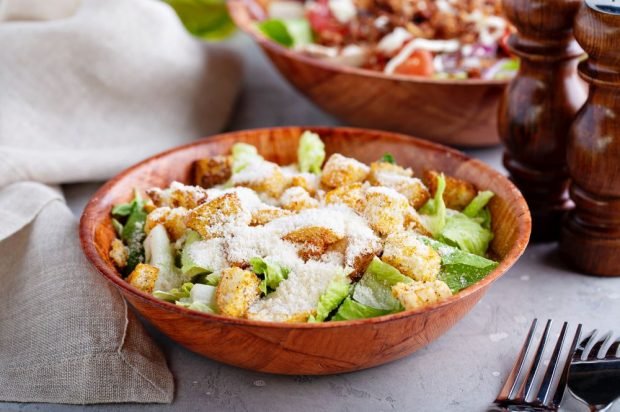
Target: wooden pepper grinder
(538,106)
(591,233)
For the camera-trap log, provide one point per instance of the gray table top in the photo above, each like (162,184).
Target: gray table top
(462,371)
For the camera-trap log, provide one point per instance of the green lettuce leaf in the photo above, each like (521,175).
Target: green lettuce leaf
(460,269)
(289,32)
(336,292)
(207,19)
(132,231)
(272,273)
(159,252)
(201,298)
(188,266)
(466,233)
(374,289)
(351,309)
(388,158)
(479,202)
(434,211)
(244,155)
(310,153)
(174,294)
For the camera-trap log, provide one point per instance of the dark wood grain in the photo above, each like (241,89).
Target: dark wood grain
(457,112)
(539,105)
(330,347)
(591,235)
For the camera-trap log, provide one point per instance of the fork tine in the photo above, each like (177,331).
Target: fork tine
(612,352)
(559,392)
(509,387)
(601,343)
(581,348)
(527,388)
(545,387)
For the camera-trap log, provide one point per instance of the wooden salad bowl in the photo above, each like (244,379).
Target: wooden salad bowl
(307,348)
(455,112)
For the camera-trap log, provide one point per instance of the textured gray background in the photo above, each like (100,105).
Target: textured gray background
(461,371)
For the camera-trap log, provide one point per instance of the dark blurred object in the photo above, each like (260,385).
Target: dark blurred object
(591,235)
(538,107)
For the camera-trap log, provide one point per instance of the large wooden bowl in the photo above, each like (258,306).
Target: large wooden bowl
(454,112)
(324,348)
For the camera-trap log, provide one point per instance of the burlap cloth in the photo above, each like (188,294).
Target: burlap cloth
(91,91)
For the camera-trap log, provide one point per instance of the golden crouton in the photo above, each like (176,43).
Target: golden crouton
(262,177)
(458,193)
(210,219)
(119,253)
(144,277)
(237,290)
(266,215)
(212,171)
(340,170)
(307,181)
(297,198)
(312,241)
(414,222)
(377,169)
(385,210)
(399,179)
(417,294)
(412,257)
(178,195)
(351,195)
(172,219)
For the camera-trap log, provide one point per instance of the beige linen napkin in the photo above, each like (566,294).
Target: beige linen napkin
(80,98)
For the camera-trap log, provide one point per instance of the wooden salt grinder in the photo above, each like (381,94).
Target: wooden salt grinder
(538,106)
(591,233)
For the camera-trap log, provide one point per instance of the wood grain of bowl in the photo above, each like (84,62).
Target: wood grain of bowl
(455,112)
(313,349)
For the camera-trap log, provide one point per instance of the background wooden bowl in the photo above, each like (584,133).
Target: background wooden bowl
(454,112)
(324,348)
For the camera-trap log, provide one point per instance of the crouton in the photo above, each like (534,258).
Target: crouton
(212,171)
(417,294)
(351,195)
(414,222)
(399,179)
(312,241)
(297,198)
(178,195)
(385,210)
(458,193)
(262,177)
(172,219)
(119,253)
(144,277)
(308,181)
(266,215)
(211,218)
(412,257)
(340,170)
(237,290)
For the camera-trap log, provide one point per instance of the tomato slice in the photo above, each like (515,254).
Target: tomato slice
(321,19)
(420,63)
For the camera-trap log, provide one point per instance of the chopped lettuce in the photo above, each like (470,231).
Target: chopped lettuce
(288,32)
(213,279)
(466,233)
(388,158)
(174,294)
(310,153)
(476,206)
(243,155)
(188,266)
(434,211)
(207,19)
(460,269)
(351,309)
(374,289)
(335,293)
(159,253)
(272,273)
(132,231)
(201,298)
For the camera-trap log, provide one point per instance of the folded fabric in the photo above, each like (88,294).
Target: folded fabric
(84,96)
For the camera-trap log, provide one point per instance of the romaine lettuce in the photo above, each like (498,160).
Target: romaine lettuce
(434,211)
(388,158)
(289,32)
(201,298)
(374,289)
(243,155)
(132,231)
(207,19)
(310,153)
(351,309)
(188,266)
(272,273)
(174,294)
(159,253)
(335,293)
(466,233)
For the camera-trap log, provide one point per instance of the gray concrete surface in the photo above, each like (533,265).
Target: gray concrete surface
(461,371)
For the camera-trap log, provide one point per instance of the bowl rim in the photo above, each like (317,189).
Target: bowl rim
(88,222)
(236,7)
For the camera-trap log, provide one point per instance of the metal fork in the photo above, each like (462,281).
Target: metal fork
(596,381)
(514,396)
